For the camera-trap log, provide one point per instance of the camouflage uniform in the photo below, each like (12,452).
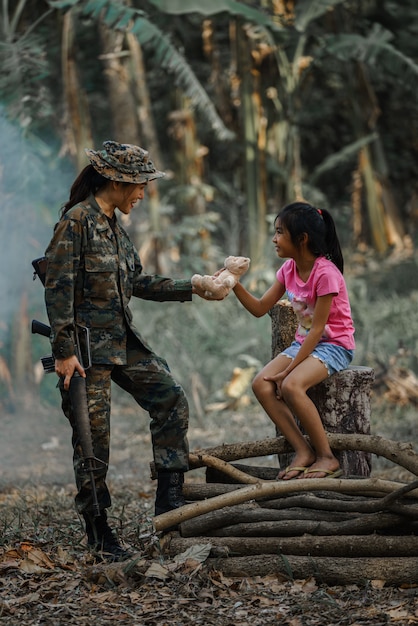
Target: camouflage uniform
(93,270)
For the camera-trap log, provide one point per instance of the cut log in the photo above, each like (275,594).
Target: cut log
(215,475)
(254,514)
(223,467)
(203,491)
(347,546)
(364,525)
(343,401)
(268,489)
(283,326)
(325,570)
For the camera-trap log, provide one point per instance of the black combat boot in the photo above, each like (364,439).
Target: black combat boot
(169,494)
(101,539)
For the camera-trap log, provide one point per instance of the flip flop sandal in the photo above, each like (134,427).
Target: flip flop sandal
(295,468)
(329,473)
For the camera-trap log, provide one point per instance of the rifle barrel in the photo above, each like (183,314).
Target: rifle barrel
(79,404)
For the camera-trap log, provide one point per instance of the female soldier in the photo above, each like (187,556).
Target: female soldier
(93,270)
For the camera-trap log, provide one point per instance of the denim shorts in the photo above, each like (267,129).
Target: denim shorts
(335,358)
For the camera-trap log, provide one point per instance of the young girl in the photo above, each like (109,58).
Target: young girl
(324,341)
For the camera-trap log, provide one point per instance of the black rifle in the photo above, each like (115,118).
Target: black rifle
(78,395)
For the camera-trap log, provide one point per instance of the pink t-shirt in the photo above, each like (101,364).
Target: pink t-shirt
(325,278)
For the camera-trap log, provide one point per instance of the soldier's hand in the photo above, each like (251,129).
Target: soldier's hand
(65,369)
(202,293)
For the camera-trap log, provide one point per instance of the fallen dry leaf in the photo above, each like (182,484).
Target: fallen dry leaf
(157,571)
(198,553)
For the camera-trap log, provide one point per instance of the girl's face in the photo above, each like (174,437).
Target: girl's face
(283,244)
(128,196)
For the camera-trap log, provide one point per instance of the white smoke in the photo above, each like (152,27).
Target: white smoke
(30,197)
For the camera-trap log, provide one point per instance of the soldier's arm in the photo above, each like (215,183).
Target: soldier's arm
(161,289)
(63,255)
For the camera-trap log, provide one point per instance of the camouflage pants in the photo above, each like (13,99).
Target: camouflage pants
(148,379)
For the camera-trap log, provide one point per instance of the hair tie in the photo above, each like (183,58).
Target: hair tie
(319,211)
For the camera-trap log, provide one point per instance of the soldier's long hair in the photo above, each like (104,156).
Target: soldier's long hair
(299,218)
(87,182)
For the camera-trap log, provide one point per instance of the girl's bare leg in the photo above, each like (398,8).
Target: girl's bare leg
(281,415)
(310,372)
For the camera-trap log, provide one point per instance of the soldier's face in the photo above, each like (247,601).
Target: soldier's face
(129,195)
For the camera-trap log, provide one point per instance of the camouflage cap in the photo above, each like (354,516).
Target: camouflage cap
(123,162)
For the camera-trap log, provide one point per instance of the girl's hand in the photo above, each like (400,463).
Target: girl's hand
(277,379)
(65,369)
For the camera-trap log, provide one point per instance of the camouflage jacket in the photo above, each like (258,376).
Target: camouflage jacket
(92,272)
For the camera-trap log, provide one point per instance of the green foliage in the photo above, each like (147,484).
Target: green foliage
(167,56)
(385,311)
(309,10)
(347,153)
(24,66)
(376,51)
(237,9)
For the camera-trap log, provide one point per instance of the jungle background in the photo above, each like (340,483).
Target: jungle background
(246,106)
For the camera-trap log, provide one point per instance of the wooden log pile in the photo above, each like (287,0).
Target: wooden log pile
(339,530)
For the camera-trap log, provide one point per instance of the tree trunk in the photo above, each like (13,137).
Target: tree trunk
(147,131)
(152,252)
(253,126)
(385,225)
(189,161)
(283,326)
(120,94)
(77,128)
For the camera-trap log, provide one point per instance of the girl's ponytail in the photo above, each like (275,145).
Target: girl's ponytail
(331,240)
(300,217)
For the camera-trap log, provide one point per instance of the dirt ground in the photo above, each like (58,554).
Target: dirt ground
(35,444)
(48,577)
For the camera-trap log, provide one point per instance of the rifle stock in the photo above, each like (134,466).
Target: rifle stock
(78,398)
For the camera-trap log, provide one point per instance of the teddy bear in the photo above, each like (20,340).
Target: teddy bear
(217,287)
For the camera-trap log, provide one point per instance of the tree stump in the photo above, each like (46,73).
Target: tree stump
(343,399)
